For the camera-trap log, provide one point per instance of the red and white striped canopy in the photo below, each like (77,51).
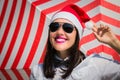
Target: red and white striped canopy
(24,28)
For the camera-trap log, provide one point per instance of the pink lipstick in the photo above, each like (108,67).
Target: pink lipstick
(60,39)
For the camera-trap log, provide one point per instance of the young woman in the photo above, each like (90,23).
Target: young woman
(64,60)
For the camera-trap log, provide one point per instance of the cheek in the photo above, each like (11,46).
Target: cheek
(51,37)
(73,36)
(72,39)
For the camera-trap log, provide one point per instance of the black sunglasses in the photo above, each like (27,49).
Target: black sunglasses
(67,27)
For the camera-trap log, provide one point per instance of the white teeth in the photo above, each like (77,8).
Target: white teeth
(61,40)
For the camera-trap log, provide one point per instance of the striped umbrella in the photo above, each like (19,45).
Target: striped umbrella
(24,28)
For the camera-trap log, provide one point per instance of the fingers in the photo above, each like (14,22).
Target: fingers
(101,29)
(94,28)
(97,36)
(95,31)
(104,27)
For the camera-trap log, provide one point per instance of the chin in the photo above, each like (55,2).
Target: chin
(60,49)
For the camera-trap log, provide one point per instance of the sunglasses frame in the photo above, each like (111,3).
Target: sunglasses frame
(65,26)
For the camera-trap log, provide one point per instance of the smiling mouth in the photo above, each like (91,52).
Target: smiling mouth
(60,39)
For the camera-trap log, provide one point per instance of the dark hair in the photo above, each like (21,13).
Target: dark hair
(76,56)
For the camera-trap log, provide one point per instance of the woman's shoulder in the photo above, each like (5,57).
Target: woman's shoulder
(37,72)
(94,66)
(86,68)
(38,68)
(99,61)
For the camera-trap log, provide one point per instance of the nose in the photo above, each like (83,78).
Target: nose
(60,30)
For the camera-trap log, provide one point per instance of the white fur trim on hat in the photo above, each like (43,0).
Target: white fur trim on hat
(89,24)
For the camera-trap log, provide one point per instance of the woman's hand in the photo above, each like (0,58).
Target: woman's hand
(104,34)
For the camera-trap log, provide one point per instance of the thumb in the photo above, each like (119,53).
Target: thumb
(97,36)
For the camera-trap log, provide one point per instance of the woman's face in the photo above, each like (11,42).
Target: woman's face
(60,39)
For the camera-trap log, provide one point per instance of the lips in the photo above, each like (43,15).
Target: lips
(60,39)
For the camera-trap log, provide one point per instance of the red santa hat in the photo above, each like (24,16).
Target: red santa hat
(76,15)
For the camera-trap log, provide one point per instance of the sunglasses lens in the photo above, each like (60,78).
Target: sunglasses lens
(54,26)
(68,27)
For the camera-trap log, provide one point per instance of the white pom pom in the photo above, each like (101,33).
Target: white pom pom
(89,25)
